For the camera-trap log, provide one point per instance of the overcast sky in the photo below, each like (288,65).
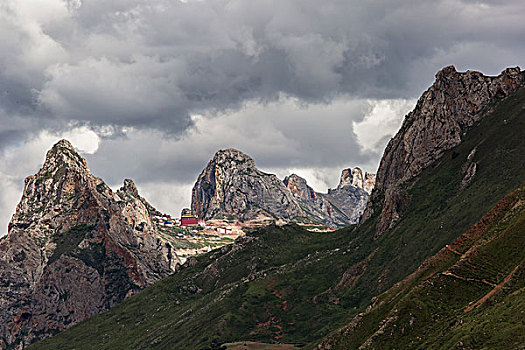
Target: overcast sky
(150,89)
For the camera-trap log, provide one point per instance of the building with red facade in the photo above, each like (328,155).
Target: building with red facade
(187,218)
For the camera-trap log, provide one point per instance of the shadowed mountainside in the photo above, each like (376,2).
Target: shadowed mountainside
(74,248)
(469,295)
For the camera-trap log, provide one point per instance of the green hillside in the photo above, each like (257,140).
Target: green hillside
(285,284)
(470,295)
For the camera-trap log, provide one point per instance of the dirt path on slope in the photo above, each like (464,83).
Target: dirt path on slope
(487,296)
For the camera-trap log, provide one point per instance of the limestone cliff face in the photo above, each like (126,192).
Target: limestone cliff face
(354,177)
(316,206)
(341,206)
(453,104)
(73,249)
(232,185)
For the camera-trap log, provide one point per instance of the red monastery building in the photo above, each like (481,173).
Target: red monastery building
(187,218)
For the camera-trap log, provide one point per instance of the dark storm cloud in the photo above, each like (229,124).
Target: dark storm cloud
(154,63)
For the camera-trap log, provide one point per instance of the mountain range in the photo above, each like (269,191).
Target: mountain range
(435,261)
(75,248)
(231,185)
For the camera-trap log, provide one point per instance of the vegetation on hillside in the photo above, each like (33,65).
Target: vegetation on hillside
(469,295)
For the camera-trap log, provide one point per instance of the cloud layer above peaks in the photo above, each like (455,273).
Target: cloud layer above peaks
(154,63)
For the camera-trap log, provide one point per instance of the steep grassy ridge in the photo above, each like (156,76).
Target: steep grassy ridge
(469,295)
(292,286)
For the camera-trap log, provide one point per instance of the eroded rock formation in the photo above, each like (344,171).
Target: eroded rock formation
(453,104)
(354,177)
(231,185)
(73,249)
(319,206)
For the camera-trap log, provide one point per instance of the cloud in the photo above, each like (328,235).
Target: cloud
(138,63)
(279,134)
(168,197)
(380,122)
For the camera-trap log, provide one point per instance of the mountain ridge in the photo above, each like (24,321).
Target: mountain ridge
(443,114)
(74,248)
(231,185)
(468,277)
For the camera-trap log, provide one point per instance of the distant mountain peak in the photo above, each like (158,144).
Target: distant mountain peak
(354,177)
(299,188)
(130,187)
(231,184)
(63,153)
(232,156)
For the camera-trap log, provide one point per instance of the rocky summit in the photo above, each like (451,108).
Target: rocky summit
(354,177)
(74,248)
(341,206)
(231,185)
(315,206)
(442,116)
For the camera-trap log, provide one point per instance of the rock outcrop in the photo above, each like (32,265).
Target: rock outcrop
(454,103)
(316,206)
(341,206)
(349,200)
(231,185)
(354,177)
(73,249)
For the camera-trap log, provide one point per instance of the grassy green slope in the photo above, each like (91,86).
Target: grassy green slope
(469,295)
(293,286)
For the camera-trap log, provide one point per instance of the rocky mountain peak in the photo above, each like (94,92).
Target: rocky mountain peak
(71,233)
(63,154)
(455,102)
(351,177)
(56,186)
(354,177)
(232,185)
(233,158)
(446,72)
(129,187)
(299,188)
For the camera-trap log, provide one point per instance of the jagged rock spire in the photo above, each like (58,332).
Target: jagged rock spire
(355,177)
(70,233)
(63,153)
(129,186)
